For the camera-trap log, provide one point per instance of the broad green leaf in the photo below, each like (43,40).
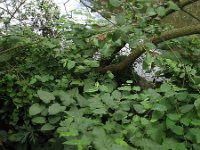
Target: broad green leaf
(174,117)
(185,121)
(100,111)
(136,88)
(82,101)
(148,60)
(197,103)
(150,11)
(196,133)
(110,74)
(165,87)
(121,142)
(89,87)
(36,109)
(159,107)
(66,98)
(80,43)
(45,96)
(102,140)
(133,43)
(108,100)
(119,115)
(47,127)
(177,129)
(148,144)
(116,95)
(161,11)
(70,64)
(195,122)
(39,120)
(173,5)
(120,18)
(125,88)
(172,144)
(56,108)
(54,119)
(170,123)
(71,132)
(91,63)
(139,108)
(186,108)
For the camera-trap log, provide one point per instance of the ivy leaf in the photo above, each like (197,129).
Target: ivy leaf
(45,96)
(36,109)
(55,108)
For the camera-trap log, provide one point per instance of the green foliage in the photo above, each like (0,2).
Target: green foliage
(52,96)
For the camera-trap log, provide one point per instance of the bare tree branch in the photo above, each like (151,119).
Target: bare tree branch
(13,14)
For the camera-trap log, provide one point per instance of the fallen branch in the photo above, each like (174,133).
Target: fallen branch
(175,33)
(182,4)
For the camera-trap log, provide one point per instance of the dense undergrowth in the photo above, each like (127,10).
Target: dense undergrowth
(52,95)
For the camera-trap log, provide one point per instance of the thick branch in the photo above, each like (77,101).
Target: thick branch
(195,29)
(181,5)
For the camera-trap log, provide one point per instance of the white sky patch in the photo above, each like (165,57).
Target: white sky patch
(75,10)
(69,5)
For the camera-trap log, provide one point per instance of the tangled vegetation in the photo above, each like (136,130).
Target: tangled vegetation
(66,85)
